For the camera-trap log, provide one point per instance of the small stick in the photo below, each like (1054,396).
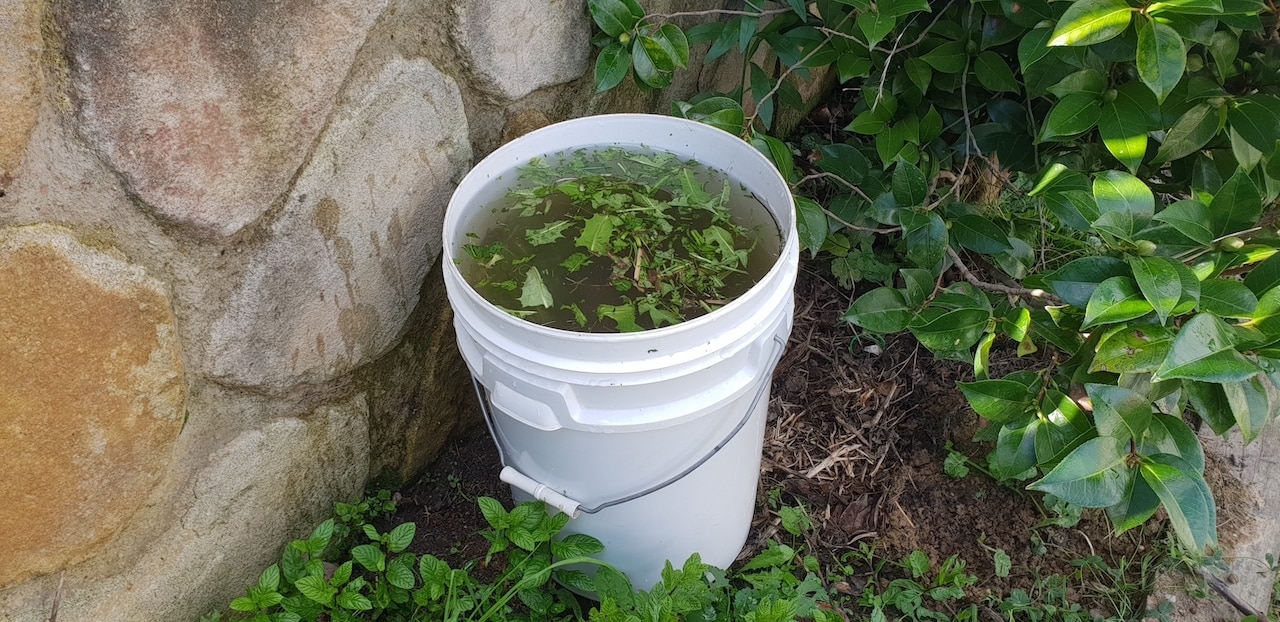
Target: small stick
(57,598)
(1223,591)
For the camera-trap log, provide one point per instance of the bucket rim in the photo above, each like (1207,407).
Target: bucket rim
(788,248)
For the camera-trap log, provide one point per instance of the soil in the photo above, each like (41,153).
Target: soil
(857,435)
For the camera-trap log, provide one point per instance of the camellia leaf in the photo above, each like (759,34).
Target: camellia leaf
(535,292)
(1075,208)
(1186,499)
(1250,405)
(1123,127)
(844,161)
(1227,298)
(1119,412)
(979,234)
(1162,57)
(1204,350)
(1063,428)
(615,17)
(1255,119)
(1015,448)
(647,66)
(910,188)
(875,26)
(1264,276)
(1088,81)
(1167,434)
(1190,218)
(998,401)
(1133,349)
(949,57)
(611,66)
(719,112)
(994,73)
(1236,207)
(811,224)
(1266,315)
(1159,282)
(1116,299)
(949,331)
(1033,46)
(1075,282)
(881,310)
(1074,114)
(926,236)
(1092,476)
(1123,193)
(1191,132)
(671,39)
(1138,504)
(1087,22)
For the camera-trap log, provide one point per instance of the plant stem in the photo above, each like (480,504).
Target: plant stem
(1036,294)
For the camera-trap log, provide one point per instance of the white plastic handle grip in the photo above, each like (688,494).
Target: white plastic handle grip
(540,491)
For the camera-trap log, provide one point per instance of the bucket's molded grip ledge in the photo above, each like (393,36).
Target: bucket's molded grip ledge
(540,491)
(541,407)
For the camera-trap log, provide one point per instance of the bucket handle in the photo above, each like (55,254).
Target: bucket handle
(574,508)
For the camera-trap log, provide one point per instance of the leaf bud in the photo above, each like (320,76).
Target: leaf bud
(1232,243)
(624,38)
(1109,95)
(1195,62)
(1145,248)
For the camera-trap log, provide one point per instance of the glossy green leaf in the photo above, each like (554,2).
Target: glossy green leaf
(1033,46)
(611,66)
(919,72)
(719,112)
(1116,299)
(1266,315)
(994,73)
(881,310)
(1250,405)
(1204,350)
(1264,276)
(1190,218)
(979,234)
(1087,22)
(1167,434)
(1085,81)
(844,161)
(646,68)
(1186,498)
(1075,208)
(811,224)
(903,7)
(1092,476)
(1063,428)
(982,356)
(999,401)
(1123,128)
(1015,448)
(949,57)
(926,237)
(1138,504)
(909,185)
(1162,57)
(1159,283)
(1210,402)
(671,39)
(1119,413)
(1133,349)
(1018,260)
(871,121)
(1255,119)
(949,331)
(1123,193)
(1194,7)
(1236,207)
(1059,178)
(1074,114)
(1227,298)
(1075,282)
(1191,132)
(875,26)
(779,153)
(615,17)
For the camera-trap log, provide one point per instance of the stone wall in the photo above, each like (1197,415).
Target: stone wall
(220,310)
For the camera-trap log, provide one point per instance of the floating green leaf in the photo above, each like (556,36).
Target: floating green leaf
(1204,350)
(596,233)
(535,292)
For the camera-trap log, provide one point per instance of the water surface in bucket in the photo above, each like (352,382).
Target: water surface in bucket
(607,239)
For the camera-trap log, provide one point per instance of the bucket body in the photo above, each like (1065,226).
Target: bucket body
(586,420)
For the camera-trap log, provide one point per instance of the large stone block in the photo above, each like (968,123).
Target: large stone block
(516,47)
(333,285)
(207,110)
(20,47)
(92,384)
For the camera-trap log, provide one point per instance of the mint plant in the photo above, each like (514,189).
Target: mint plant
(1088,180)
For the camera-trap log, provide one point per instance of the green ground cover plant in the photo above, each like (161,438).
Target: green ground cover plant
(1092,180)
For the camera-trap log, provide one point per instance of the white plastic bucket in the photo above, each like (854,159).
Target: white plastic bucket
(650,440)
